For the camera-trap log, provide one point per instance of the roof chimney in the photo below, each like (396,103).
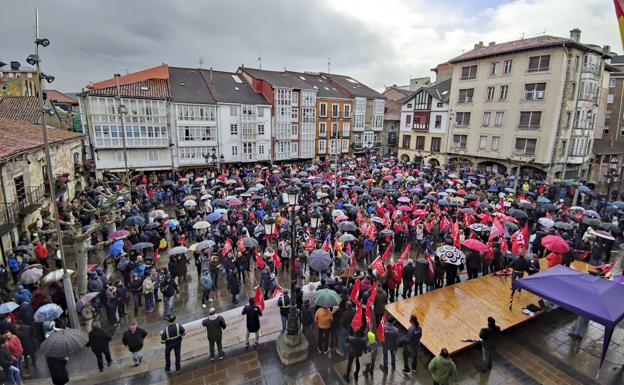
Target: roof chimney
(606,48)
(575,35)
(479,45)
(210,75)
(15,65)
(491,43)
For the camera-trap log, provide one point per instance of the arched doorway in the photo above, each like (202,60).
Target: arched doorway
(532,172)
(433,162)
(494,167)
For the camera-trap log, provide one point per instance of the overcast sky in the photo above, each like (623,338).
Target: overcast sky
(379,42)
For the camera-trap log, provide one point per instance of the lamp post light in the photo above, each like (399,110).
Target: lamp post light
(269,226)
(292,347)
(613,174)
(221,161)
(315,219)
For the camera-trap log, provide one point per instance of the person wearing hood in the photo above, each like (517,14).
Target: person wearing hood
(99,343)
(408,278)
(26,335)
(390,344)
(21,294)
(26,313)
(94,284)
(14,267)
(442,369)
(41,252)
(214,324)
(205,281)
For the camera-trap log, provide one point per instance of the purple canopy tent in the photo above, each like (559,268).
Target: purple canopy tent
(595,298)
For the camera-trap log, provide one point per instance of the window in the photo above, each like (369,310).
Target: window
(322,129)
(507,67)
(334,110)
(612,82)
(486,119)
(459,141)
(440,104)
(482,142)
(420,142)
(261,149)
(347,111)
(498,120)
(436,144)
(462,119)
(392,139)
(233,129)
(233,111)
(465,95)
(563,146)
(20,188)
(307,115)
(234,150)
(409,106)
(334,130)
(153,155)
(185,133)
(539,63)
(525,146)
(294,149)
(610,98)
(322,146)
(534,91)
(260,112)
(260,129)
(489,93)
(503,92)
(530,119)
(323,109)
(495,143)
(294,98)
(438,121)
(345,144)
(406,141)
(294,130)
(494,69)
(469,72)
(346,127)
(408,120)
(294,115)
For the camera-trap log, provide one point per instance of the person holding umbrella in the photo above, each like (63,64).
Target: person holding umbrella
(99,344)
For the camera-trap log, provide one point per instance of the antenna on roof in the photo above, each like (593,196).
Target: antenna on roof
(210,75)
(260,60)
(522,38)
(201,63)
(127,72)
(329,65)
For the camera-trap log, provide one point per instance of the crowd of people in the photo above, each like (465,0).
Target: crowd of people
(372,231)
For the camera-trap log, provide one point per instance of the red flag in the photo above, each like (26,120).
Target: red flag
(227,247)
(327,244)
(259,299)
(278,292)
(155,260)
(240,245)
(369,316)
(503,245)
(519,240)
(379,266)
(259,261)
(444,223)
(355,292)
(356,322)
(276,260)
(358,217)
(398,269)
(405,252)
(456,238)
(352,261)
(428,226)
(619,14)
(430,263)
(496,230)
(370,302)
(386,254)
(386,222)
(311,243)
(381,332)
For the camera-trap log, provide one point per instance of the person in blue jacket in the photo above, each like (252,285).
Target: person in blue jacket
(14,267)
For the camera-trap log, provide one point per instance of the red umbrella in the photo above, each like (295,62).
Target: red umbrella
(475,244)
(461,191)
(342,218)
(404,208)
(419,212)
(235,202)
(119,234)
(388,177)
(555,243)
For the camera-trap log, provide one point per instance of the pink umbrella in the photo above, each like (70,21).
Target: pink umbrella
(342,218)
(404,208)
(388,177)
(555,243)
(419,212)
(119,234)
(235,202)
(404,199)
(475,244)
(460,192)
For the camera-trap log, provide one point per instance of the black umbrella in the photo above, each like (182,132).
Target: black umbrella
(152,225)
(63,343)
(377,190)
(613,228)
(347,226)
(141,246)
(249,242)
(518,214)
(168,183)
(134,220)
(357,189)
(219,202)
(564,225)
(387,233)
(472,197)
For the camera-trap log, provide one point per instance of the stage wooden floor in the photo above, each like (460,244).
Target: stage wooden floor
(453,313)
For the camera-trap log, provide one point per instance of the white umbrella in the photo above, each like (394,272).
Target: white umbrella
(55,276)
(190,204)
(546,222)
(201,225)
(178,250)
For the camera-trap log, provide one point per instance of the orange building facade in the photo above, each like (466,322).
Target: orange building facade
(333,127)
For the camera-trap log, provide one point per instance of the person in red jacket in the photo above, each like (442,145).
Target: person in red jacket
(15,347)
(42,254)
(553,259)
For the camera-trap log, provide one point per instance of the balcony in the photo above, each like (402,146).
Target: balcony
(249,136)
(248,157)
(9,213)
(32,200)
(420,127)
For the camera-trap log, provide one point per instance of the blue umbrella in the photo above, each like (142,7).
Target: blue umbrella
(213,217)
(543,200)
(584,189)
(172,223)
(618,204)
(319,260)
(115,248)
(221,211)
(8,307)
(48,312)
(443,202)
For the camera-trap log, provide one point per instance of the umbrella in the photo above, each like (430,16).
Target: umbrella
(618,204)
(235,202)
(357,189)
(190,204)
(319,260)
(178,250)
(378,219)
(156,213)
(55,276)
(213,217)
(613,228)
(337,213)
(116,248)
(249,242)
(469,211)
(472,197)
(577,208)
(518,214)
(511,226)
(119,234)
(347,226)
(205,197)
(420,212)
(475,244)
(171,223)
(31,275)
(525,205)
(341,218)
(591,214)
(603,235)
(543,200)
(387,233)
(377,190)
(404,208)
(443,202)
(326,298)
(151,226)
(563,225)
(63,343)
(484,205)
(141,246)
(479,227)
(201,225)
(591,221)
(555,243)
(189,198)
(546,222)
(204,245)
(134,220)
(404,199)
(48,312)
(219,202)
(85,299)
(347,238)
(8,307)
(451,255)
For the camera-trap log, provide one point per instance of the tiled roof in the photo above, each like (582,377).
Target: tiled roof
(278,78)
(441,90)
(59,97)
(17,137)
(516,45)
(22,108)
(148,89)
(160,72)
(393,110)
(324,89)
(353,87)
(602,147)
(229,87)
(188,86)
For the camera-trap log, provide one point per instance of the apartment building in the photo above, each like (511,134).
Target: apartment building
(527,106)
(368,113)
(293,104)
(18,80)
(424,124)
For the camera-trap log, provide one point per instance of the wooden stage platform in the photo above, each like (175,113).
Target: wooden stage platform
(453,313)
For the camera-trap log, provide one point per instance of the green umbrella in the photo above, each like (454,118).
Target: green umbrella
(326,298)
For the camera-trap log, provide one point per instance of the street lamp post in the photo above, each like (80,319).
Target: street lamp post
(612,175)
(221,161)
(292,347)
